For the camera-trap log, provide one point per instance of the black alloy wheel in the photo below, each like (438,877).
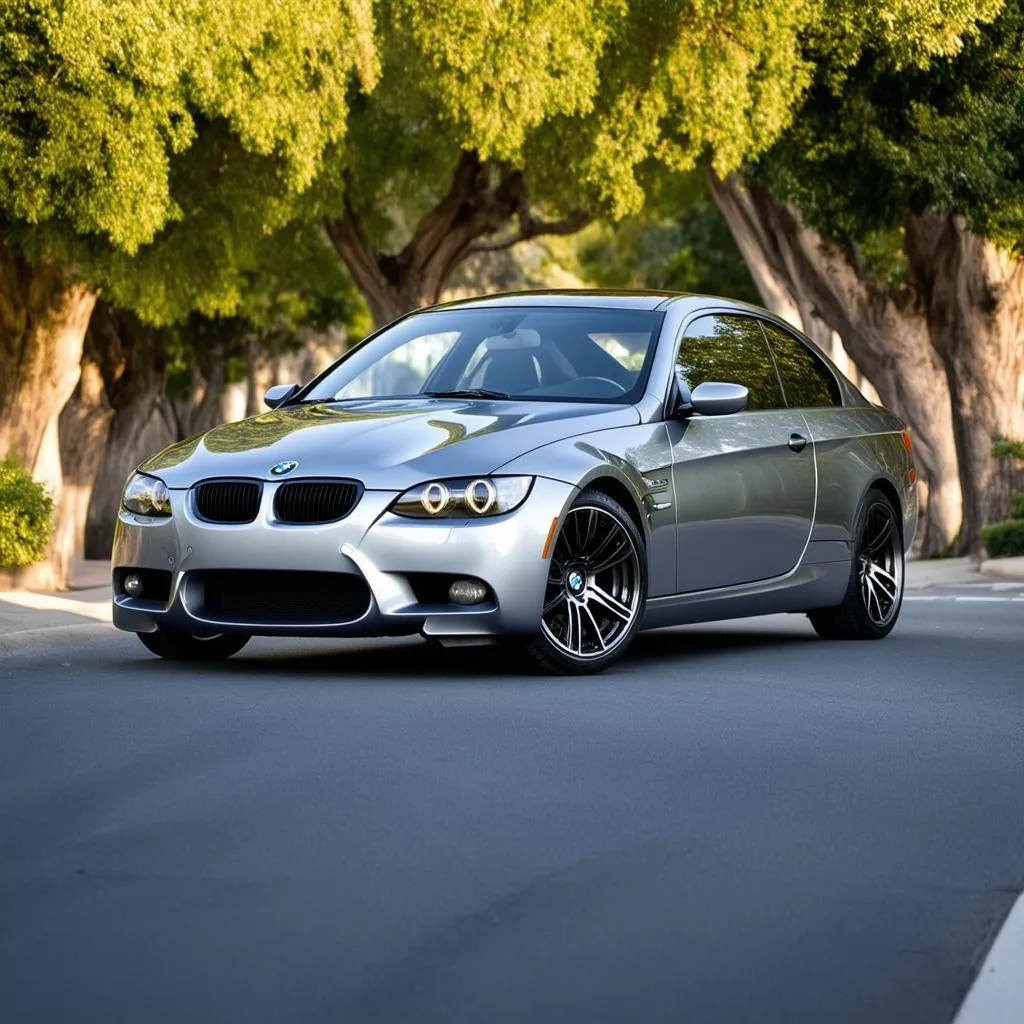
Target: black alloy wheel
(596,588)
(874,595)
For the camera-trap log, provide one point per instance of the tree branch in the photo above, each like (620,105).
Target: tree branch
(349,240)
(531,227)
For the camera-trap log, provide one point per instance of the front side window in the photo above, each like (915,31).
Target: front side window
(730,349)
(552,353)
(806,380)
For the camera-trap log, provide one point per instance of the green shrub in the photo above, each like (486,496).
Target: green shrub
(1005,448)
(26,516)
(1004,540)
(1017,505)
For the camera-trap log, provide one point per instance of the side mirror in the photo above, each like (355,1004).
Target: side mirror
(279,394)
(717,398)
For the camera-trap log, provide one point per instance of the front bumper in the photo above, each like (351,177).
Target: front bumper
(372,543)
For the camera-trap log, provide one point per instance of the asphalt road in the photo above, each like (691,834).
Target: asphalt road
(739,823)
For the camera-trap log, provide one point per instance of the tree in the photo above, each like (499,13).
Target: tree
(931,159)
(101,104)
(680,242)
(823,286)
(496,123)
(492,124)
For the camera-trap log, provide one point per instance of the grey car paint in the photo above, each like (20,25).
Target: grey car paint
(735,521)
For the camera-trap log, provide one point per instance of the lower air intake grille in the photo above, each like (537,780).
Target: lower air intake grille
(276,597)
(315,501)
(228,501)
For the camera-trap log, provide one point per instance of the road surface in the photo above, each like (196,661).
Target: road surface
(738,823)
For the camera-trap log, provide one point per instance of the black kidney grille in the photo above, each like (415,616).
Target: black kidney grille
(315,501)
(277,597)
(228,501)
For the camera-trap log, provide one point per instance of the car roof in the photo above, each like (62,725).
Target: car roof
(591,297)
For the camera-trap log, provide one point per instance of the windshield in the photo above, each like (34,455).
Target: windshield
(540,354)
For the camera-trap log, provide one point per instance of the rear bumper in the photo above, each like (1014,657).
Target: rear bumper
(372,543)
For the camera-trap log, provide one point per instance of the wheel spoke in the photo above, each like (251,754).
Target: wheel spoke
(611,535)
(869,595)
(883,582)
(597,629)
(621,552)
(554,602)
(574,634)
(880,536)
(884,573)
(607,601)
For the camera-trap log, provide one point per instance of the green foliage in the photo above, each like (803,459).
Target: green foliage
(26,512)
(1004,540)
(882,138)
(98,96)
(1005,448)
(1017,505)
(160,148)
(693,252)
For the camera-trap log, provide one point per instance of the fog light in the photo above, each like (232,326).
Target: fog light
(467,592)
(133,585)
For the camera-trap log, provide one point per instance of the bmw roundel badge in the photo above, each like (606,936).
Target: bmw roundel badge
(282,468)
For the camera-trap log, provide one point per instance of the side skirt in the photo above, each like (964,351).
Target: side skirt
(819,585)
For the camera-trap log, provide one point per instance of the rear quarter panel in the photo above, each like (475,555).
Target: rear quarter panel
(855,449)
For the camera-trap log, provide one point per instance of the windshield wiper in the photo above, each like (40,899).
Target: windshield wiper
(468,393)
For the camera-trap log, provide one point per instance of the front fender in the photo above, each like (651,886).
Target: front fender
(630,463)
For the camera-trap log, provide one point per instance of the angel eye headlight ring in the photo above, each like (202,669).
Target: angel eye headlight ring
(473,497)
(480,496)
(435,498)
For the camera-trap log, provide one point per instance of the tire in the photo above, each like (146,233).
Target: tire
(874,594)
(174,646)
(596,590)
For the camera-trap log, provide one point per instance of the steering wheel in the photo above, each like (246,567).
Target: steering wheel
(604,380)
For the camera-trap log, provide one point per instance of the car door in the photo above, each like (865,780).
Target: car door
(744,483)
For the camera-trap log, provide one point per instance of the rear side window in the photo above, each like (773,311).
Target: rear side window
(731,349)
(807,381)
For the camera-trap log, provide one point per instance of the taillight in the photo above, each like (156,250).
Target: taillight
(909,445)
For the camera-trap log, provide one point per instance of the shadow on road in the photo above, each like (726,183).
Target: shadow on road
(413,658)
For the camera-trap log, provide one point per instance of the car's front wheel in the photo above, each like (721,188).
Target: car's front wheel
(596,589)
(875,591)
(176,646)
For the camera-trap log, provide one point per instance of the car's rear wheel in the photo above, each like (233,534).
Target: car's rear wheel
(875,592)
(596,589)
(176,646)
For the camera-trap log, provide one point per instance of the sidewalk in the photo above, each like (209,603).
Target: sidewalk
(87,601)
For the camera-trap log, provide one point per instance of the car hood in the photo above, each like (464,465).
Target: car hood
(388,445)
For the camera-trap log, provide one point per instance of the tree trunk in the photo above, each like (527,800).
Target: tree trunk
(131,360)
(974,297)
(883,327)
(482,200)
(84,429)
(43,320)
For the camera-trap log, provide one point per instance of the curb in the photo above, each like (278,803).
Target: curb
(997,995)
(24,640)
(1001,568)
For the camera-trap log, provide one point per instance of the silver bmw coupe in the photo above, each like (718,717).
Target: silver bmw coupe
(553,471)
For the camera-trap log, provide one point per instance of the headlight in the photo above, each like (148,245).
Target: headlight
(146,496)
(466,498)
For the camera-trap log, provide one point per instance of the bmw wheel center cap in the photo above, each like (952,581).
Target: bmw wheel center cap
(283,468)
(575,580)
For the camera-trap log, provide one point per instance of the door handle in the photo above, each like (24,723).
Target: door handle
(797,442)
